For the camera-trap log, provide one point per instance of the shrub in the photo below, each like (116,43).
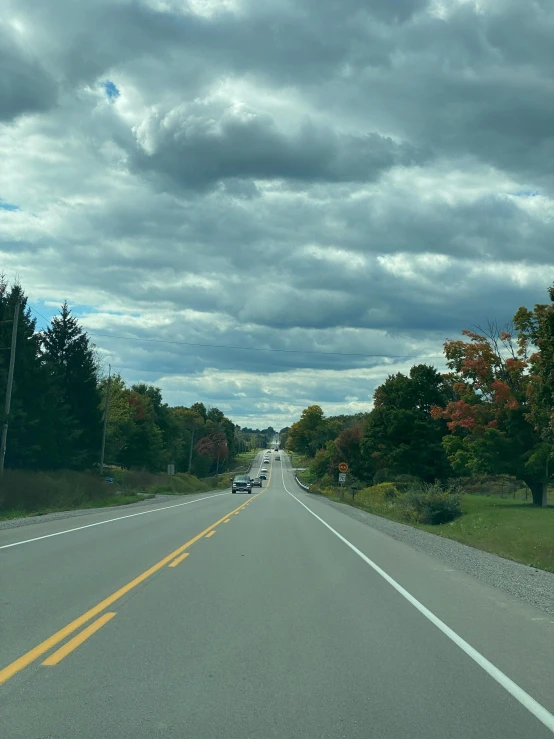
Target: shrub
(31,491)
(406,478)
(431,504)
(382,493)
(383,476)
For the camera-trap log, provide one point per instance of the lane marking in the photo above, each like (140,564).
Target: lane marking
(179,560)
(110,520)
(227,520)
(26,659)
(72,644)
(210,534)
(533,706)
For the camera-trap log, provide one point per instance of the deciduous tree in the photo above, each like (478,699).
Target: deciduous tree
(490,418)
(401,435)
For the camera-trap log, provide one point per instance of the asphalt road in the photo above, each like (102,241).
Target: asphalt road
(258,616)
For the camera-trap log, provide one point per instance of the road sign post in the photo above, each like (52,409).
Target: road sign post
(342,477)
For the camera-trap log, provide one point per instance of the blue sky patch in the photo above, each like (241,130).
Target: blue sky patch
(8,206)
(111,90)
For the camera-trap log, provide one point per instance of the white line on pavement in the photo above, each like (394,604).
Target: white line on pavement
(110,520)
(544,716)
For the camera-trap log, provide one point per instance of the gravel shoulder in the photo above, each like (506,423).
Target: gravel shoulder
(14,523)
(530,585)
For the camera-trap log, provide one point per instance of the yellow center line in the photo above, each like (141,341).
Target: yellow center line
(227,520)
(210,534)
(179,559)
(26,659)
(72,644)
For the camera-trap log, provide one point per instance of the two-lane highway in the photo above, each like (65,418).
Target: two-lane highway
(254,616)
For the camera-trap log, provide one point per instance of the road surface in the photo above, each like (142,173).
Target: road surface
(256,616)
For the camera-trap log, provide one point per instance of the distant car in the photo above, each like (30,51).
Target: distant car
(277,458)
(257,482)
(241,483)
(262,476)
(264,469)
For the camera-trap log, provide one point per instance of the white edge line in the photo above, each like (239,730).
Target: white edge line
(110,520)
(538,711)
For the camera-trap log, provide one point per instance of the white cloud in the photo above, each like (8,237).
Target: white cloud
(365,179)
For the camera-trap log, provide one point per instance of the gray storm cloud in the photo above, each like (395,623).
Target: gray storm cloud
(358,177)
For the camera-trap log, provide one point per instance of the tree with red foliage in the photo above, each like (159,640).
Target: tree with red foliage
(489,418)
(348,449)
(213,447)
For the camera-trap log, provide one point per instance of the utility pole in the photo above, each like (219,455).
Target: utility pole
(9,388)
(105,420)
(190,450)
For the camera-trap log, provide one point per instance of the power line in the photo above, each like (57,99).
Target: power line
(39,314)
(258,349)
(263,349)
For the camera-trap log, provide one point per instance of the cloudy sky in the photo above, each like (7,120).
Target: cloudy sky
(343,182)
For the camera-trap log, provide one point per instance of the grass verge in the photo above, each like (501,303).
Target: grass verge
(509,527)
(37,493)
(112,500)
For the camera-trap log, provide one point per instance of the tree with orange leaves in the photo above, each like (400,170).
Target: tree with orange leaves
(491,418)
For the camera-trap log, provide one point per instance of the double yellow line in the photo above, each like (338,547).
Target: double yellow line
(174,558)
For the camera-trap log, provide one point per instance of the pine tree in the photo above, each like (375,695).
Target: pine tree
(69,358)
(30,411)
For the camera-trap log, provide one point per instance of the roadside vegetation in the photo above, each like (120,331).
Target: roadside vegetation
(37,493)
(60,395)
(466,453)
(506,525)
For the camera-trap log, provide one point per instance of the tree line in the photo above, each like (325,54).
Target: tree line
(492,413)
(58,401)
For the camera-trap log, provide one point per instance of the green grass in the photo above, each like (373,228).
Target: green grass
(25,493)
(112,500)
(297,460)
(507,527)
(247,457)
(304,476)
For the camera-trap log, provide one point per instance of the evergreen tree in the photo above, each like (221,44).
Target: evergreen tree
(69,359)
(29,420)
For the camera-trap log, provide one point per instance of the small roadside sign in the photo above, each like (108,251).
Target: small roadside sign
(343,467)
(342,477)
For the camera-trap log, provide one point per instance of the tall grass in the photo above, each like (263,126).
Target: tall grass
(23,492)
(33,491)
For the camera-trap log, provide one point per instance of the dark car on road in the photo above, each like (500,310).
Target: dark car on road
(263,476)
(257,482)
(242,483)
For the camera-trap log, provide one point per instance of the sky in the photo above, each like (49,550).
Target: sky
(332,188)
